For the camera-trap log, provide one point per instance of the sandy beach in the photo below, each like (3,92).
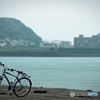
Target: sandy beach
(40,93)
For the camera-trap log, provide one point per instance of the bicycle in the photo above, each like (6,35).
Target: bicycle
(21,86)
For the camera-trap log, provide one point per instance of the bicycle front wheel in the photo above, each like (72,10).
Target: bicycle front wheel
(22,87)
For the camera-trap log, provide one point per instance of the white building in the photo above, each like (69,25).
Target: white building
(65,44)
(3,43)
(56,44)
(47,44)
(32,43)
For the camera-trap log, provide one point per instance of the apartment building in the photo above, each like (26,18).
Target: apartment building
(89,42)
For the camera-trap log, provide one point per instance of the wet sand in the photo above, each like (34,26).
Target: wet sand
(40,93)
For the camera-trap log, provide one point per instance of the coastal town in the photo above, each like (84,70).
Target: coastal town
(81,41)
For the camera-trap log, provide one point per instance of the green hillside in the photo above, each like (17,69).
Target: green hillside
(14,29)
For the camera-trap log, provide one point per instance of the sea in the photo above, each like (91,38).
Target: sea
(81,73)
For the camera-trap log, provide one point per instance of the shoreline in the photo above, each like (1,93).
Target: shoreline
(41,93)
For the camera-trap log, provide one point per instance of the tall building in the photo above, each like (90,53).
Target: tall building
(89,42)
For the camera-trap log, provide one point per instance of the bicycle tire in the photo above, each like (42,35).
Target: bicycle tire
(21,89)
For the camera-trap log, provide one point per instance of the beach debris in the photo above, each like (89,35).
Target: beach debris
(40,91)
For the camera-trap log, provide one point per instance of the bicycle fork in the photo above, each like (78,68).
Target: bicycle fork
(1,79)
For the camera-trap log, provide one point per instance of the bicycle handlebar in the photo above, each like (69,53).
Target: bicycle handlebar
(1,64)
(19,72)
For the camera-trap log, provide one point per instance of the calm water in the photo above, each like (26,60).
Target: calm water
(59,72)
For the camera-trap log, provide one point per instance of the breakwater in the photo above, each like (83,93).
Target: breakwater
(71,52)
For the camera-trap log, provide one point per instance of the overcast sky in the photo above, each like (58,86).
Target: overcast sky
(55,19)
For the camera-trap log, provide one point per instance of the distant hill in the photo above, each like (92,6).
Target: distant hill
(14,29)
